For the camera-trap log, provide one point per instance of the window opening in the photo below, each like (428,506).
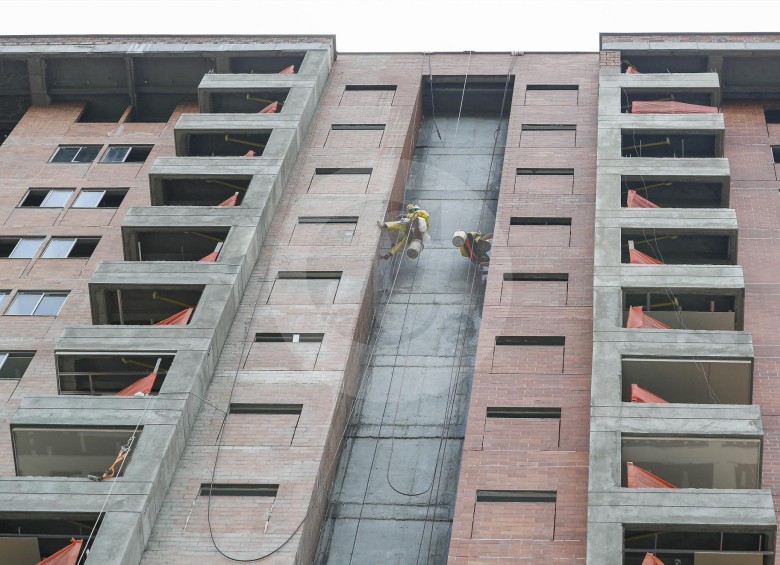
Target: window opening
(249,408)
(516,221)
(516,496)
(522,412)
(101,198)
(75,154)
(20,248)
(343,171)
(37,304)
(289,337)
(545,171)
(772,115)
(528,277)
(549,340)
(358,127)
(126,154)
(226,489)
(46,198)
(70,247)
(549,127)
(13,364)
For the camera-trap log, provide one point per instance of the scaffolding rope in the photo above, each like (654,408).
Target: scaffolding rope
(103,509)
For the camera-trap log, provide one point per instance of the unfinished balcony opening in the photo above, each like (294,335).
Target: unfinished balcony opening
(199,191)
(267,63)
(698,545)
(185,244)
(687,380)
(683,309)
(676,247)
(255,101)
(667,192)
(145,306)
(163,83)
(667,102)
(66,451)
(664,64)
(230,144)
(691,462)
(637,143)
(101,83)
(108,375)
(28,537)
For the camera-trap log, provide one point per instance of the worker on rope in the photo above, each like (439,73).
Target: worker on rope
(474,245)
(413,222)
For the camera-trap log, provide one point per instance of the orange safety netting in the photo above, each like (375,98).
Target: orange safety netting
(250,153)
(68,555)
(638,394)
(144,386)
(288,71)
(636,201)
(270,109)
(630,70)
(651,559)
(638,319)
(178,319)
(111,471)
(232,201)
(670,107)
(638,258)
(639,478)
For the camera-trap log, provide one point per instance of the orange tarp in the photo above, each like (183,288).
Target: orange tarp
(638,319)
(249,153)
(651,559)
(232,201)
(638,394)
(68,555)
(270,109)
(636,201)
(639,258)
(288,71)
(144,386)
(670,107)
(639,478)
(210,258)
(632,71)
(178,319)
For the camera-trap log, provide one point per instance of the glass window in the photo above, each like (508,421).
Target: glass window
(45,198)
(24,304)
(36,304)
(59,247)
(89,199)
(13,364)
(115,155)
(75,154)
(26,248)
(3,296)
(50,304)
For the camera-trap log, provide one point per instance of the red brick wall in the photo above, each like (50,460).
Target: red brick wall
(525,454)
(24,164)
(754,195)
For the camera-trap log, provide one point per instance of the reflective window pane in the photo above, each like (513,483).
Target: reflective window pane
(14,364)
(24,304)
(87,154)
(3,296)
(89,199)
(56,198)
(59,247)
(65,154)
(115,155)
(26,247)
(50,305)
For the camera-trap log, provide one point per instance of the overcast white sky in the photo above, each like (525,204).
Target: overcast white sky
(400,25)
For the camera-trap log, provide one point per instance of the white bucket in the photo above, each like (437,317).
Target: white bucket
(458,238)
(414,249)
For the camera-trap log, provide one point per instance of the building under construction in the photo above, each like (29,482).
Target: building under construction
(212,350)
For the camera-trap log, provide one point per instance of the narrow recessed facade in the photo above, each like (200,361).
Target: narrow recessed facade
(209,350)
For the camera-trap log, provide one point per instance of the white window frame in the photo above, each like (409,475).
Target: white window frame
(76,202)
(73,241)
(117,148)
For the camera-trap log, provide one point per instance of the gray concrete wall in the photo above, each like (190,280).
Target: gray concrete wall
(610,506)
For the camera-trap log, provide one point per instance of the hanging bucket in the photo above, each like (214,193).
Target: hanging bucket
(414,249)
(458,238)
